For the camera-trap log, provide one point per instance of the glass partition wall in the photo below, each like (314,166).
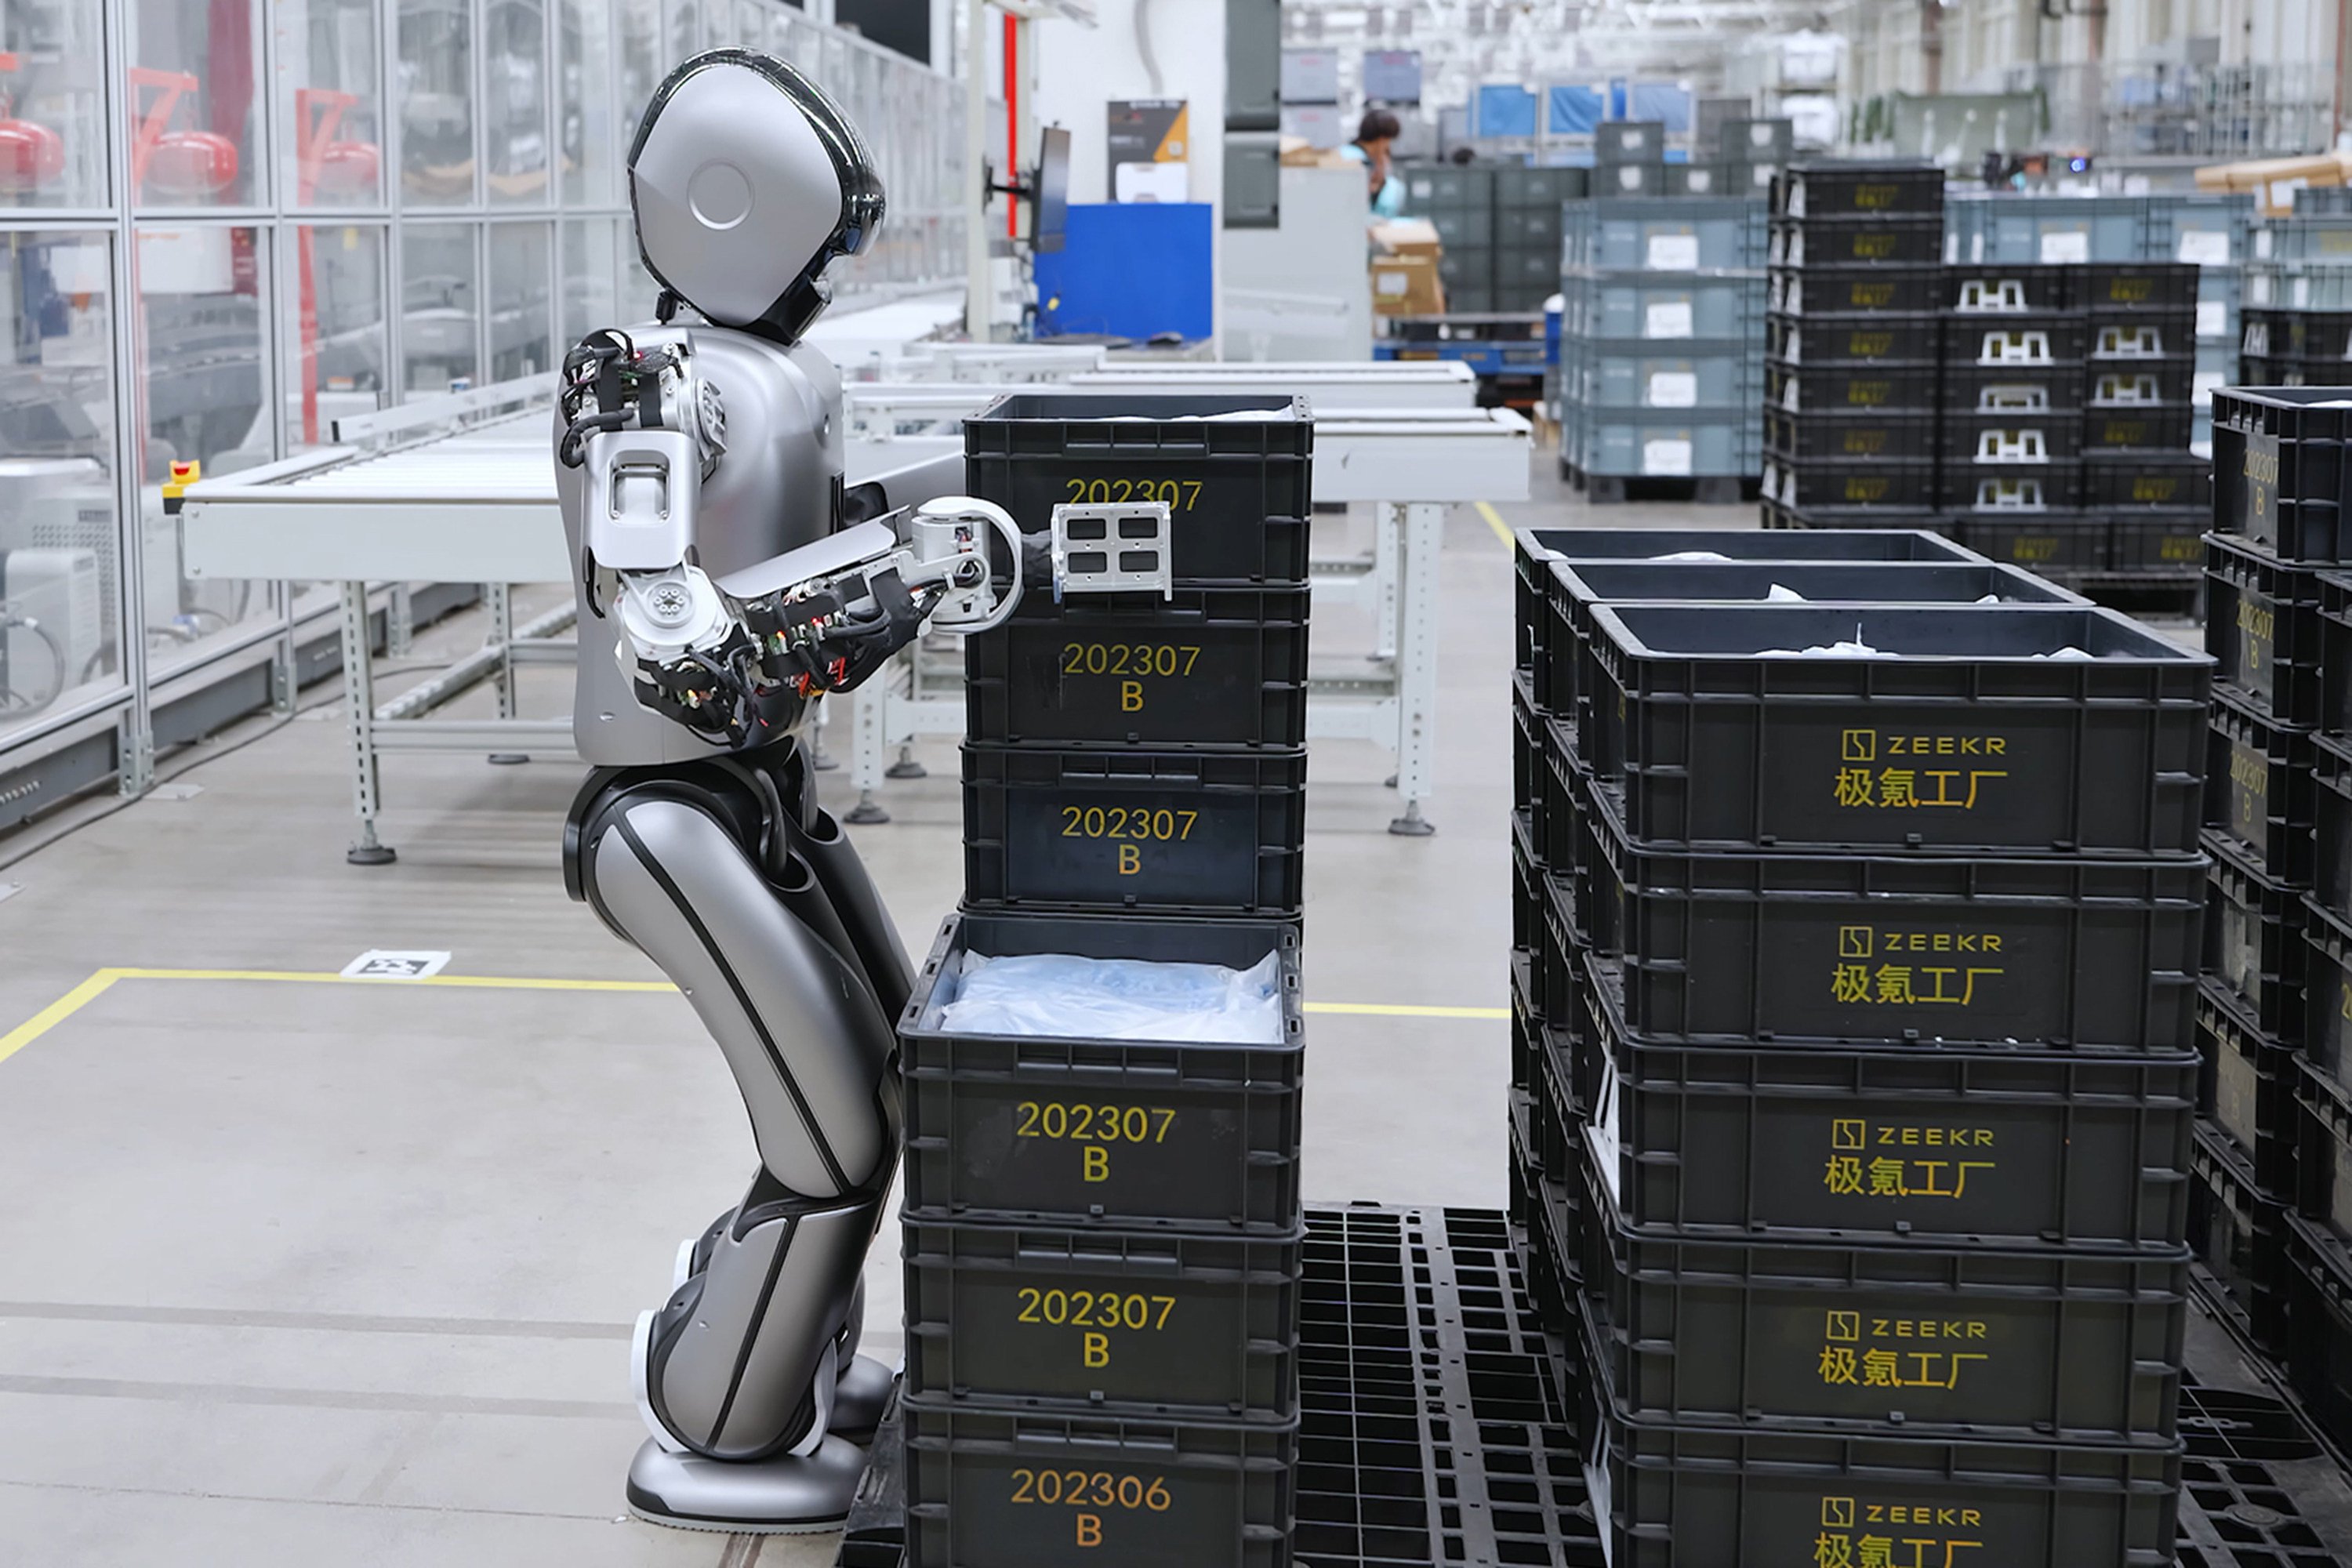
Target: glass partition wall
(226,224)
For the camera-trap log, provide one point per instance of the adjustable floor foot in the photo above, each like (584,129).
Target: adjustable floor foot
(771,1496)
(867,809)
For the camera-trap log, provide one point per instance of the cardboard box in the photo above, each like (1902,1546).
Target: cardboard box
(1408,236)
(2274,180)
(1407,286)
(1298,152)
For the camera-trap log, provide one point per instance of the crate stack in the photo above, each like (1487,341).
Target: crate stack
(1661,369)
(1528,205)
(2298,311)
(1882,1081)
(1850,356)
(1104,1236)
(2209,230)
(1749,155)
(1458,201)
(2275,1188)
(1629,158)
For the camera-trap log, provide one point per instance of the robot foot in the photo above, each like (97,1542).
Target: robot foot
(782,1496)
(859,1397)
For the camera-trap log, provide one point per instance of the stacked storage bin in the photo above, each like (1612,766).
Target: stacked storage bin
(2140,408)
(1752,154)
(2298,311)
(1890,1013)
(1528,201)
(2276,1204)
(1103,1234)
(2013,387)
(1850,356)
(1458,200)
(1659,370)
(1551,1060)
(1629,158)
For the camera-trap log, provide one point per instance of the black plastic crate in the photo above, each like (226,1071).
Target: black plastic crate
(1828,388)
(1871,339)
(2163,426)
(2319,1354)
(1524,1018)
(1562,846)
(1557,1119)
(1080,1131)
(2239,1232)
(2254,940)
(1727,944)
(1527,746)
(991,1489)
(2174,479)
(1905,1337)
(2317,334)
(1536,548)
(2260,790)
(1846,240)
(2023,344)
(2153,380)
(1716,743)
(1873,288)
(2010,435)
(2263,627)
(2120,340)
(1808,482)
(1973,388)
(2009,1146)
(1116,1322)
(1672,1497)
(1979,288)
(1527,885)
(1238,489)
(1860,187)
(1577,585)
(1203,668)
(1146,831)
(2067,545)
(2158,541)
(2327,994)
(1560,974)
(2249,1093)
(2280,471)
(1964,486)
(2320,1135)
(1780,521)
(2133,287)
(1860,436)
(2335,712)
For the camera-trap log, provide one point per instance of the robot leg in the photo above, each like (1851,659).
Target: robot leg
(736,1371)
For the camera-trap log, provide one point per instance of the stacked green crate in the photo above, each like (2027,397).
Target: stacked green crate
(1661,339)
(1525,256)
(1458,200)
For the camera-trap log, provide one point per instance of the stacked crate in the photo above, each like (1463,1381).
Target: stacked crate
(1458,201)
(1824,928)
(1749,155)
(2207,230)
(2298,313)
(1885,1068)
(2275,1198)
(1850,357)
(1551,1061)
(1527,203)
(1629,158)
(1104,1236)
(1660,374)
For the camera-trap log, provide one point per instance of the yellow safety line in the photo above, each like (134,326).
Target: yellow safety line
(57,1012)
(98,984)
(1495,521)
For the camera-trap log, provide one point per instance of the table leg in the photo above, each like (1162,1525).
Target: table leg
(500,596)
(1422,529)
(359,699)
(868,739)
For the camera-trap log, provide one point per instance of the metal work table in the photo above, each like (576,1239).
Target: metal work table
(453,489)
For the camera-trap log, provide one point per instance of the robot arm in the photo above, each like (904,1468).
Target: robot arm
(725,657)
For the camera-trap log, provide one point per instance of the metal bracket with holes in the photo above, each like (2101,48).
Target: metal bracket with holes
(1126,548)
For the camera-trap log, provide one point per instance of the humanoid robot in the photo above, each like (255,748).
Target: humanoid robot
(725,588)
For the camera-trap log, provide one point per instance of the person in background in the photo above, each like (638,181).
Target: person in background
(1374,135)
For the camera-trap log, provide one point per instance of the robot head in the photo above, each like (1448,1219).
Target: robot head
(747,181)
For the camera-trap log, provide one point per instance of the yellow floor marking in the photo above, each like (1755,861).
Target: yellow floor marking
(1495,521)
(98,984)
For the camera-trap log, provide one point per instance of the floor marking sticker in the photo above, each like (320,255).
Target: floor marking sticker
(382,963)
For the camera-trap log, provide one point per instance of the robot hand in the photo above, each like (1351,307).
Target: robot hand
(728,658)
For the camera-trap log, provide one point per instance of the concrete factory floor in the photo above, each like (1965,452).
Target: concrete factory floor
(300,1271)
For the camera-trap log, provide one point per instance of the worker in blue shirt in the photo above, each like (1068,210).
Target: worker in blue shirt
(1374,135)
